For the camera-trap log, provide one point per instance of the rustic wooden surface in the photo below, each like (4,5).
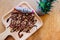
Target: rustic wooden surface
(51,27)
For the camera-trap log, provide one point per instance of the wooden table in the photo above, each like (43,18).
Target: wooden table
(51,27)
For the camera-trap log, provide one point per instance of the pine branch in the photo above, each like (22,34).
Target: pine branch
(45,5)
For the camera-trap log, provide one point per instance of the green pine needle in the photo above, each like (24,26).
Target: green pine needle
(45,5)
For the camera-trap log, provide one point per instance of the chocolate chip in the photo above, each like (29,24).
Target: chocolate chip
(8,19)
(20,35)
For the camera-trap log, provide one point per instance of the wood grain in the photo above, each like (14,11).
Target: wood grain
(51,27)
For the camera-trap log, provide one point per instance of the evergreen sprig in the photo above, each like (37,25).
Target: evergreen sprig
(45,5)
